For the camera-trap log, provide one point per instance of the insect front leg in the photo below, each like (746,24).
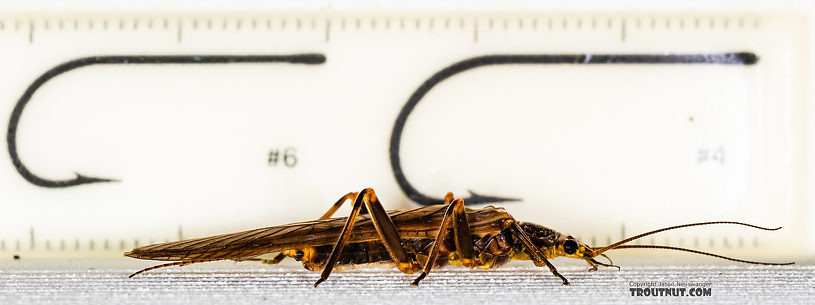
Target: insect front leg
(537,257)
(461,229)
(594,263)
(384,227)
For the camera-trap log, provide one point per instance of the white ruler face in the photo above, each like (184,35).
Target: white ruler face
(128,129)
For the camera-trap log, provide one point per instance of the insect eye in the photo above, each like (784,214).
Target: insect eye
(570,246)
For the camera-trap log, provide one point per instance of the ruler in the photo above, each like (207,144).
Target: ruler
(131,128)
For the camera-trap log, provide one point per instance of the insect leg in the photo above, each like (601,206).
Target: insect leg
(448,198)
(336,206)
(383,225)
(464,244)
(463,238)
(537,256)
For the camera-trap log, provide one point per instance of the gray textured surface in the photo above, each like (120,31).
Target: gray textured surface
(106,282)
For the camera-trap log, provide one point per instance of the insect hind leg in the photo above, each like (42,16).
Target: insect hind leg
(334,207)
(385,228)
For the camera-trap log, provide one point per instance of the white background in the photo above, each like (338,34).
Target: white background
(590,149)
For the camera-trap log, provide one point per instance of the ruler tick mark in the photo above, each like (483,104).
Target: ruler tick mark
(327,39)
(31,32)
(622,30)
(475,31)
(180,29)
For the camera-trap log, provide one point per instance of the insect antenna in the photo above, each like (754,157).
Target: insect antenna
(699,252)
(617,244)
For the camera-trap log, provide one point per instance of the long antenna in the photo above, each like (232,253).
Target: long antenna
(617,244)
(698,252)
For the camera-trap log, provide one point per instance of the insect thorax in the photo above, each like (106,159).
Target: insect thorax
(541,236)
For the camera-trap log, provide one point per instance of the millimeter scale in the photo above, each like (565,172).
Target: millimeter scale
(132,128)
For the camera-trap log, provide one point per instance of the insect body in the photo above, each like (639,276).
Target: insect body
(410,240)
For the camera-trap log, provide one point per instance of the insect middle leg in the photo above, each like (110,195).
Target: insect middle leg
(384,227)
(461,230)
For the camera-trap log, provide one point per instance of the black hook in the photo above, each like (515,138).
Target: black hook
(742,58)
(79,179)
